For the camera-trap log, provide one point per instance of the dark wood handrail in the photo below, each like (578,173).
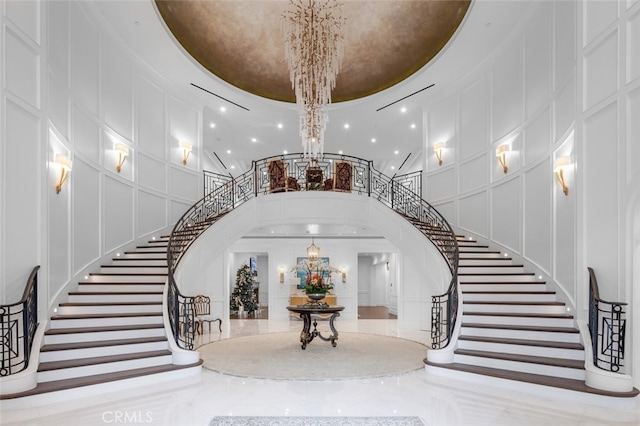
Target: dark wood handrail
(19,322)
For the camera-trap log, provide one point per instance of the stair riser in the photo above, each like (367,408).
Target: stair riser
(108,309)
(63,355)
(110,298)
(134,270)
(132,278)
(121,288)
(521,334)
(158,256)
(127,261)
(484,262)
(503,287)
(499,348)
(103,322)
(497,297)
(102,335)
(520,309)
(490,269)
(523,367)
(497,278)
(69,373)
(511,320)
(484,254)
(152,249)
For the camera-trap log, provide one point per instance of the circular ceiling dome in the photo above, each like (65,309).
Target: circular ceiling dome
(241,42)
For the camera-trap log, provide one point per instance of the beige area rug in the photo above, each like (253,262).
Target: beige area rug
(279,356)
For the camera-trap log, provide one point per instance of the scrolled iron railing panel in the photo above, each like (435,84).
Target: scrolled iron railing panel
(397,193)
(18,324)
(607,326)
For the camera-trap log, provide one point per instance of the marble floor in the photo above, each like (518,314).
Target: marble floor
(435,400)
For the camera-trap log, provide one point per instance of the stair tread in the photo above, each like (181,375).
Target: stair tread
(58,385)
(122,282)
(141,303)
(128,273)
(509,292)
(495,273)
(523,327)
(100,343)
(113,293)
(512,302)
(555,362)
(83,362)
(492,266)
(540,282)
(518,314)
(102,329)
(110,315)
(524,342)
(538,379)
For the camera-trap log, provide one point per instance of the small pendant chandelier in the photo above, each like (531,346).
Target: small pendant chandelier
(313,252)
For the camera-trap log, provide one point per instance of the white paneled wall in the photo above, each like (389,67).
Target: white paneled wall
(567,83)
(71,88)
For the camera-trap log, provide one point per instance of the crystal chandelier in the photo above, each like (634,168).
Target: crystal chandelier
(313,32)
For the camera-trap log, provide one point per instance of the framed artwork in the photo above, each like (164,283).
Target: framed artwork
(302,274)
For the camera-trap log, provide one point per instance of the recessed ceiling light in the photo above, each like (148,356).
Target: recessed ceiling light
(339,152)
(228,151)
(403,110)
(254,140)
(280,125)
(413,126)
(285,152)
(233,167)
(346,125)
(212,125)
(223,109)
(373,140)
(393,168)
(396,152)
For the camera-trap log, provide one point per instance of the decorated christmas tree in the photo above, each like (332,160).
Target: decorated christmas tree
(243,295)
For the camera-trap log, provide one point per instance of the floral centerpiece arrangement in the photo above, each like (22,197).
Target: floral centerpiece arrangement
(317,276)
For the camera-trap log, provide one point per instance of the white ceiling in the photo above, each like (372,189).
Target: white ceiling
(139,25)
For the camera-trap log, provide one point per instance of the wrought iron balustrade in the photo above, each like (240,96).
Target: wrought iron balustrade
(18,324)
(607,325)
(400,193)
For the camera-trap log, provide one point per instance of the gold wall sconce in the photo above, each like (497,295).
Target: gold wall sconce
(123,153)
(281,274)
(559,167)
(501,153)
(186,151)
(65,167)
(438,151)
(343,273)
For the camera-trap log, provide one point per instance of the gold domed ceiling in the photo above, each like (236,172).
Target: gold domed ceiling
(241,42)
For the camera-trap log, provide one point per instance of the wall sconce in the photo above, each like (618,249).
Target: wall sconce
(123,153)
(437,149)
(281,274)
(186,151)
(65,167)
(501,153)
(343,273)
(559,167)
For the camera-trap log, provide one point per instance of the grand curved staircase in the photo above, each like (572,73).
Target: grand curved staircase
(111,328)
(513,327)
